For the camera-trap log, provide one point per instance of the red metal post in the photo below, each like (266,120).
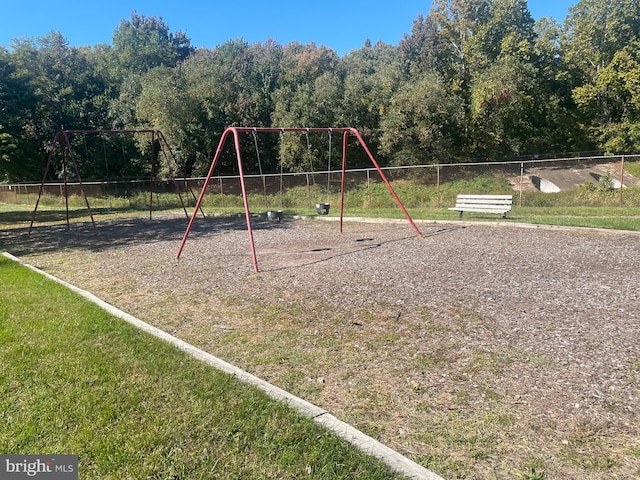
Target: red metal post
(204,189)
(345,139)
(245,200)
(384,178)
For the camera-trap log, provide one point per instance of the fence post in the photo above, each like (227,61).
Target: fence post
(621,177)
(369,187)
(438,182)
(521,180)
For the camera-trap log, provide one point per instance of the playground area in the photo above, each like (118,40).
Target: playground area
(479,351)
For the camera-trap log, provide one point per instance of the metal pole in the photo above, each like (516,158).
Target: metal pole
(153,137)
(438,182)
(245,200)
(521,180)
(64,176)
(56,141)
(329,171)
(621,177)
(164,147)
(82,191)
(369,187)
(345,138)
(384,178)
(202,192)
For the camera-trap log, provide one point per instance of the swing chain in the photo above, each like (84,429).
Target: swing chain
(281,166)
(310,154)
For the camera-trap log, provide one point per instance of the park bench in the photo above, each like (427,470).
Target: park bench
(500,204)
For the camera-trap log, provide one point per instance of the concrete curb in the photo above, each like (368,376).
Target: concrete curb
(362,441)
(471,223)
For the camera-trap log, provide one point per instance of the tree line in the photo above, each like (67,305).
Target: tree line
(474,79)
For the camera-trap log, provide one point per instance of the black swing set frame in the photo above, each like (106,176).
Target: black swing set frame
(62,143)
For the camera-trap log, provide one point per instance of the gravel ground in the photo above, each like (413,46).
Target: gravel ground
(480,351)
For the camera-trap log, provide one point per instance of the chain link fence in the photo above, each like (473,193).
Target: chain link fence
(443,182)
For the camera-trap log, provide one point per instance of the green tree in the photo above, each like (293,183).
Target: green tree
(309,95)
(595,30)
(615,96)
(233,85)
(557,127)
(194,102)
(17,155)
(502,102)
(507,31)
(481,40)
(371,76)
(59,86)
(457,22)
(600,47)
(425,48)
(423,123)
(143,43)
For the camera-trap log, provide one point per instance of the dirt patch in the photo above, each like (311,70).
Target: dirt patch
(480,352)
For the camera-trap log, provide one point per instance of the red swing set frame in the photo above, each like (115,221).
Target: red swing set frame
(235,132)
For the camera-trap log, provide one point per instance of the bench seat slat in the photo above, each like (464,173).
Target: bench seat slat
(498,208)
(480,209)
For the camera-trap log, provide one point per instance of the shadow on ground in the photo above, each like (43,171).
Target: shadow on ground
(321,254)
(120,232)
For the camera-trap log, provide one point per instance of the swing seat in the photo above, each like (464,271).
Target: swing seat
(274,216)
(322,208)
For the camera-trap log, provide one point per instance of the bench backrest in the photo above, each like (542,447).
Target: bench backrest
(484,199)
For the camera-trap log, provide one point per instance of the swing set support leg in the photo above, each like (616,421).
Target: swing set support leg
(384,179)
(56,140)
(165,147)
(245,200)
(345,139)
(202,192)
(62,140)
(82,191)
(244,194)
(65,174)
(153,173)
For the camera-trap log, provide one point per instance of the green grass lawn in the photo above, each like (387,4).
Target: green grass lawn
(77,380)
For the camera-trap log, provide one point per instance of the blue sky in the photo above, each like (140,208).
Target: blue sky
(342,25)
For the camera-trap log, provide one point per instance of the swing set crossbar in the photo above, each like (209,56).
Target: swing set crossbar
(235,133)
